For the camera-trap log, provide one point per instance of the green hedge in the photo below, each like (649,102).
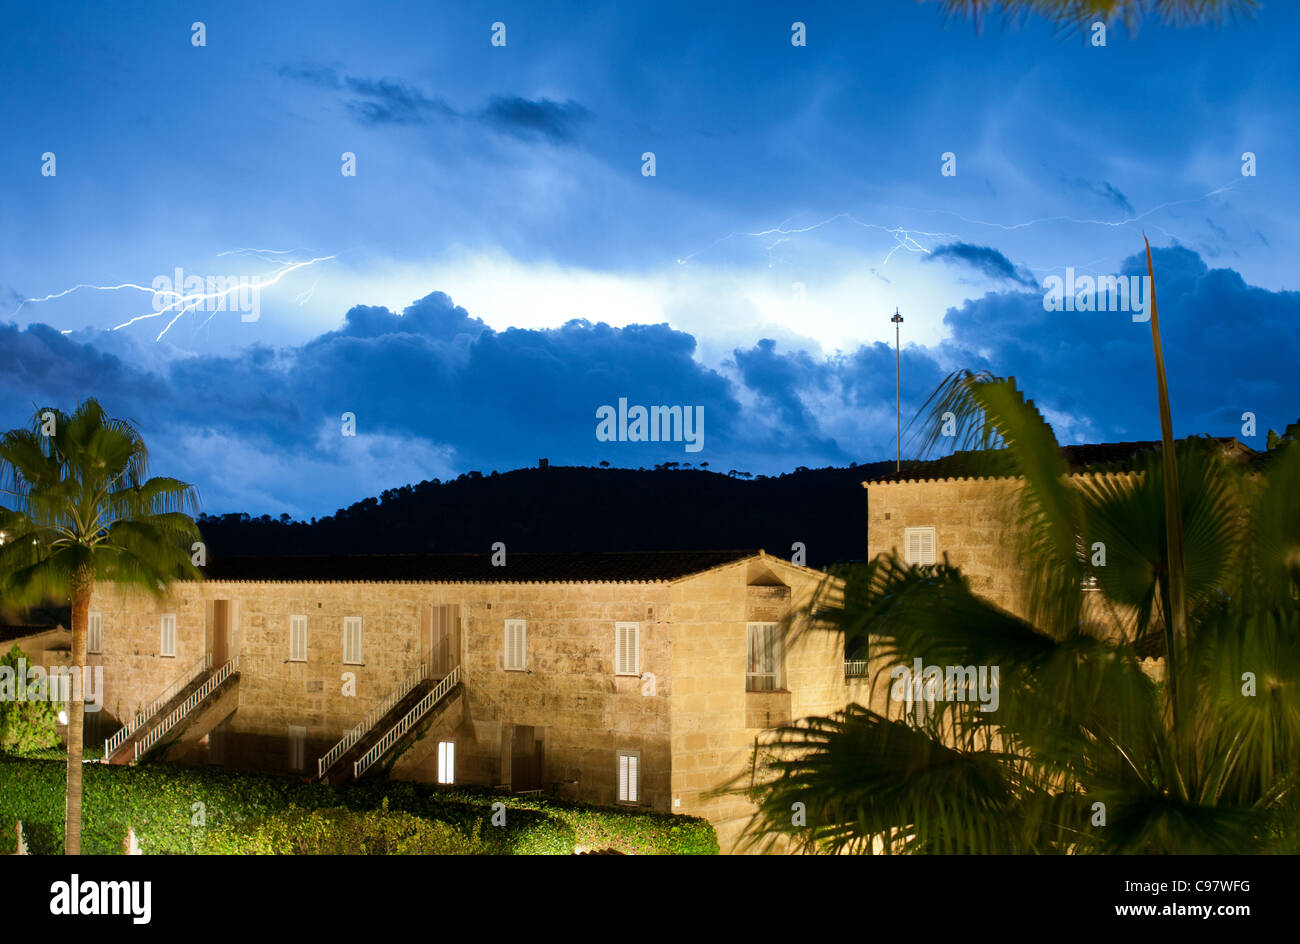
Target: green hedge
(342,832)
(27,727)
(190,810)
(630,831)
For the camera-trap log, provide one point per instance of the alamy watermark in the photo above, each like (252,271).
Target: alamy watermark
(926,684)
(58,684)
(180,292)
(1102,293)
(682,424)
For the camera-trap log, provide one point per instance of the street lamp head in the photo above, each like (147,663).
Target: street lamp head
(897,319)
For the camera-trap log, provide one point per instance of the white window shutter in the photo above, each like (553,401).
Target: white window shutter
(297,639)
(918,546)
(629,763)
(763,671)
(627,649)
(95,636)
(516,648)
(167,645)
(297,747)
(446,761)
(352,640)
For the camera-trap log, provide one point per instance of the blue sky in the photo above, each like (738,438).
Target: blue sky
(499,267)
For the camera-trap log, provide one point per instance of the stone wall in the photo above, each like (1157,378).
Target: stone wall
(687,714)
(582,712)
(716,723)
(974,522)
(134,672)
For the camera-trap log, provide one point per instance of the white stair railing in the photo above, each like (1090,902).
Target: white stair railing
(408,722)
(143,715)
(203,691)
(412,679)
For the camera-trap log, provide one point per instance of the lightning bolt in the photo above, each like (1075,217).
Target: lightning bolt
(305,297)
(260,253)
(180,303)
(903,238)
(1086,222)
(910,239)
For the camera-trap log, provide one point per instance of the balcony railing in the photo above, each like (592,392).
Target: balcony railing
(398,730)
(855,669)
(412,679)
(143,715)
(155,734)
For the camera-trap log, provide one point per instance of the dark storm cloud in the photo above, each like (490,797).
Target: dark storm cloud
(1104,190)
(525,118)
(986,260)
(1229,348)
(323,76)
(781,382)
(40,365)
(9,299)
(384,101)
(392,102)
(432,379)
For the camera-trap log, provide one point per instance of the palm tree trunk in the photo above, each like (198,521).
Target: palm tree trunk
(81,588)
(1176,612)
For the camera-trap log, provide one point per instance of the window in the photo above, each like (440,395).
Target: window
(217,744)
(352,640)
(297,639)
(856,656)
(764,669)
(918,545)
(95,637)
(629,776)
(446,761)
(627,648)
(919,705)
(1089,580)
(168,644)
(516,658)
(297,747)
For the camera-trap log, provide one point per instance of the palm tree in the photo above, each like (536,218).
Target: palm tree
(1085,752)
(80,507)
(1076,14)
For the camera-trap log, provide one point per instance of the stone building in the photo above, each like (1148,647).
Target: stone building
(44,640)
(611,678)
(953,506)
(642,678)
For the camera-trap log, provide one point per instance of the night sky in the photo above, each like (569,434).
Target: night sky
(500,266)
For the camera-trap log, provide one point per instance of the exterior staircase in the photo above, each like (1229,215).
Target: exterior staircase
(386,725)
(174,710)
(117,749)
(413,680)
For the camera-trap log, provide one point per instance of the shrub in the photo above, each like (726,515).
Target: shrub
(340,831)
(29,725)
(188,810)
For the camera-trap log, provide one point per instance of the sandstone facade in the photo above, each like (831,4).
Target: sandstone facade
(559,724)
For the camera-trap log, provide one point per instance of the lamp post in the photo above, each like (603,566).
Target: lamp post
(898,408)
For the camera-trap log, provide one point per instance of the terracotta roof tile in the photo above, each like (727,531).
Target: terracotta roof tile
(996,463)
(521,567)
(13,632)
